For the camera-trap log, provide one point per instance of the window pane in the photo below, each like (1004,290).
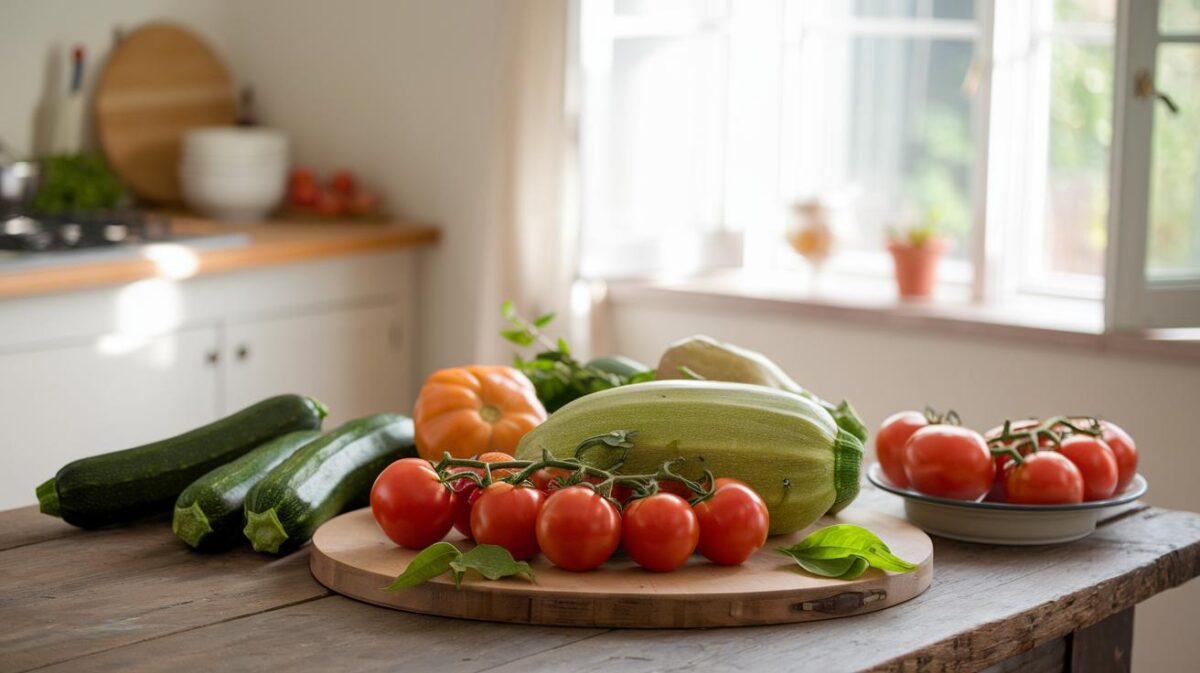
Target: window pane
(1085,11)
(1080,134)
(659,155)
(898,9)
(1174,237)
(884,129)
(1178,15)
(692,9)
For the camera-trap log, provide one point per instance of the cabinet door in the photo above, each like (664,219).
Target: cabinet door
(63,403)
(349,359)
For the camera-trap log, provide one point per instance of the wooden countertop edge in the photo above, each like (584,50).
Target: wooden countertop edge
(269,248)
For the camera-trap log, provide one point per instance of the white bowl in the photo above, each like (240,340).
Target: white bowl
(234,141)
(1001,522)
(234,198)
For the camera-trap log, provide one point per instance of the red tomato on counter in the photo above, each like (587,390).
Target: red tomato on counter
(1125,452)
(733,523)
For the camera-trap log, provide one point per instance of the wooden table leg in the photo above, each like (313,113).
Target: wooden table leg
(1105,647)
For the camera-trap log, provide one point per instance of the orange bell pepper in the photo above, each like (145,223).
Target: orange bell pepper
(469,410)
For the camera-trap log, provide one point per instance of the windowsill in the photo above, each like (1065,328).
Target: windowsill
(1075,323)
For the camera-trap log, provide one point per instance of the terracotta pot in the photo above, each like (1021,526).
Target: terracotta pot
(916,267)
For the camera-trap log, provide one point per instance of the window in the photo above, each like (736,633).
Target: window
(704,121)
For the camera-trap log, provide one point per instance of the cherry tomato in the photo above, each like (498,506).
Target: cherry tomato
(1045,478)
(890,441)
(660,531)
(578,529)
(412,505)
(1004,460)
(1096,463)
(498,457)
(949,461)
(343,182)
(1125,452)
(546,479)
(733,523)
(506,515)
(468,492)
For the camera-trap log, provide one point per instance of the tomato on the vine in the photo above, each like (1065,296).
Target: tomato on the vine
(733,523)
(412,505)
(467,491)
(578,529)
(949,461)
(547,478)
(890,441)
(1096,463)
(1044,478)
(506,515)
(1125,452)
(660,531)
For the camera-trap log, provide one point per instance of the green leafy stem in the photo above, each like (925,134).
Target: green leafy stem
(1029,439)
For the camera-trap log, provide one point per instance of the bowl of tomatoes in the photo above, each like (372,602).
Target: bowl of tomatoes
(1028,482)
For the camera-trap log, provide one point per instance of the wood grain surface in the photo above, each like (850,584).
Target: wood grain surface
(134,599)
(269,244)
(161,81)
(351,556)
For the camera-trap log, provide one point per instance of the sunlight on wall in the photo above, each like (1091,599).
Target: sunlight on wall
(173,260)
(145,309)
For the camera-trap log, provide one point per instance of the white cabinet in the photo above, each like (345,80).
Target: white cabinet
(71,401)
(79,375)
(349,359)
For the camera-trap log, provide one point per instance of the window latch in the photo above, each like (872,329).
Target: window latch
(1143,86)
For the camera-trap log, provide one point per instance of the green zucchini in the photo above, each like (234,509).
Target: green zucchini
(618,365)
(208,514)
(323,479)
(145,480)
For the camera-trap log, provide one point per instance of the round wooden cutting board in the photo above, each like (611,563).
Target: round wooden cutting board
(160,82)
(351,556)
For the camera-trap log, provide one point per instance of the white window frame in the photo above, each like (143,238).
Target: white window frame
(1132,300)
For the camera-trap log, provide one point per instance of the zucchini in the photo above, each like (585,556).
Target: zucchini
(706,358)
(208,514)
(618,365)
(323,479)
(145,480)
(785,446)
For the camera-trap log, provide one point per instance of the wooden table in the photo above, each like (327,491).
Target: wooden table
(134,598)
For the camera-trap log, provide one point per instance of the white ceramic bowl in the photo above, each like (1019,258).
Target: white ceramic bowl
(234,198)
(1000,522)
(229,141)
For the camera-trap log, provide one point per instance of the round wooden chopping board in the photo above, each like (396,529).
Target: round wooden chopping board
(351,556)
(160,82)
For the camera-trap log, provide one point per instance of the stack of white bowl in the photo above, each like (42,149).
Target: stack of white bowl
(235,174)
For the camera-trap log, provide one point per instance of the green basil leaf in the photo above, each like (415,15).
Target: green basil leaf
(508,309)
(491,561)
(434,560)
(543,320)
(834,547)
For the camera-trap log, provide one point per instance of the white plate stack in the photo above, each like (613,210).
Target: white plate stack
(234,174)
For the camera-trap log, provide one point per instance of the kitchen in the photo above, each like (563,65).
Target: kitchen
(437,109)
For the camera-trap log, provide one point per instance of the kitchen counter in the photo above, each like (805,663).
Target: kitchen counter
(266,244)
(134,598)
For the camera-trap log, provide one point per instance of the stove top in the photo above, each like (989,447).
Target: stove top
(30,240)
(40,232)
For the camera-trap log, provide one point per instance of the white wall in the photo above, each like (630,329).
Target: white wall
(33,33)
(409,93)
(985,380)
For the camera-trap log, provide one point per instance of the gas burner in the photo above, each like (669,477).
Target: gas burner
(43,232)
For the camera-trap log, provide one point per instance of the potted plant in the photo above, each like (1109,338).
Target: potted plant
(916,251)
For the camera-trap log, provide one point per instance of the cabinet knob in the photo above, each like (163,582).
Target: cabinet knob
(213,357)
(243,352)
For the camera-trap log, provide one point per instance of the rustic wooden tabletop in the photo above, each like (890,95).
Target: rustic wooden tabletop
(135,599)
